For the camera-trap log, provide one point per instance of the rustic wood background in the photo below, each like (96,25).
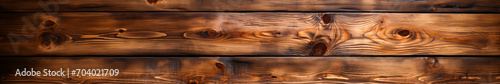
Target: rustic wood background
(158,33)
(210,70)
(265,41)
(254,5)
(201,27)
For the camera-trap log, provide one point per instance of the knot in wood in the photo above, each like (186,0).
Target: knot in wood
(49,24)
(211,33)
(326,18)
(49,40)
(319,49)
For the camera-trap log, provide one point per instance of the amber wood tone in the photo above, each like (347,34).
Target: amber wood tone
(316,34)
(221,70)
(251,5)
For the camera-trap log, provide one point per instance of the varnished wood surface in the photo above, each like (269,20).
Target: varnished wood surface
(231,70)
(157,33)
(251,5)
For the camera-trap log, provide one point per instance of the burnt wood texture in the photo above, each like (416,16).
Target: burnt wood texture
(253,5)
(319,34)
(181,39)
(235,70)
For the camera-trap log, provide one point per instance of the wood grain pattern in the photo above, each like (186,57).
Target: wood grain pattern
(252,5)
(157,33)
(208,70)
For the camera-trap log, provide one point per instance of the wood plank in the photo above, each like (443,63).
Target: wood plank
(203,70)
(166,33)
(252,5)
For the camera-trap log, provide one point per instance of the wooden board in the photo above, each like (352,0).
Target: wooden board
(264,41)
(252,5)
(318,34)
(208,70)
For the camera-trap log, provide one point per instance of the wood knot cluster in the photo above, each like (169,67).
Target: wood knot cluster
(49,36)
(328,35)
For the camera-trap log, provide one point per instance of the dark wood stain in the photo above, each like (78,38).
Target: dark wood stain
(455,5)
(260,5)
(265,69)
(153,2)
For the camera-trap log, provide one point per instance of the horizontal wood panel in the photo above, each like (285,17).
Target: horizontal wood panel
(251,5)
(203,70)
(160,33)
